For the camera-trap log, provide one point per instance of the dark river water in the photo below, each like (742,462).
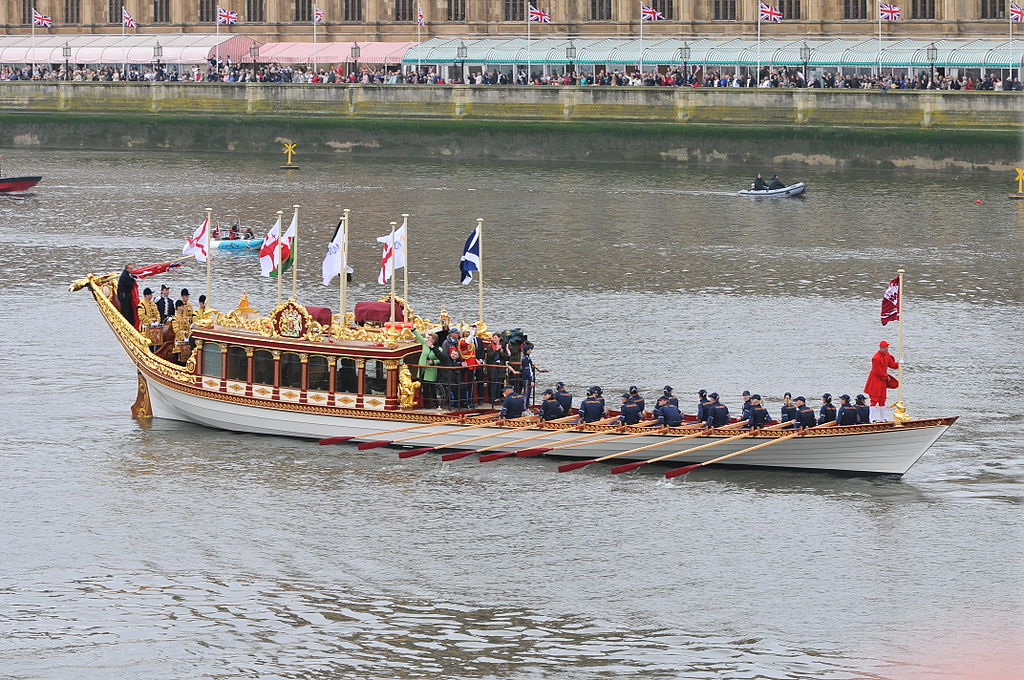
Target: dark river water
(174,551)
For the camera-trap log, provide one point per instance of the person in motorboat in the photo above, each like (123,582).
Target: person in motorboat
(759,183)
(215,232)
(249,235)
(233,234)
(776,183)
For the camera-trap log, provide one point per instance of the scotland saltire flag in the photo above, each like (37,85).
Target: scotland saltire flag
(650,14)
(1017,12)
(889,12)
(470,261)
(41,19)
(539,15)
(769,13)
(127,20)
(226,17)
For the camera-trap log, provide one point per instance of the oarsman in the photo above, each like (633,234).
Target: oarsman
(667,413)
(746,405)
(847,413)
(828,411)
(788,409)
(804,414)
(629,412)
(668,395)
(598,394)
(514,404)
(717,413)
(863,410)
(563,397)
(164,303)
(879,381)
(147,311)
(702,405)
(634,396)
(757,415)
(592,408)
(550,409)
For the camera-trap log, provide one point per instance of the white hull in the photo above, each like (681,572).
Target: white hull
(881,449)
(791,190)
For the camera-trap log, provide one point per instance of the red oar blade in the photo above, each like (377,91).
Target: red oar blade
(411,453)
(335,440)
(495,456)
(363,446)
(576,465)
(526,453)
(619,469)
(457,455)
(681,471)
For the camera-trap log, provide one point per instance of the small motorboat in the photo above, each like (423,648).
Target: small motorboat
(236,243)
(8,184)
(791,190)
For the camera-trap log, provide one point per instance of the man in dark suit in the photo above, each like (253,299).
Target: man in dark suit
(165,304)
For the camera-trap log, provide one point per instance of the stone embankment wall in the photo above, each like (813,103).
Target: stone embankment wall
(962,130)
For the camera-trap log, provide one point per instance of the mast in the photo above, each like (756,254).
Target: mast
(343,278)
(405,269)
(393,225)
(209,258)
(277,254)
(480,267)
(899,342)
(295,253)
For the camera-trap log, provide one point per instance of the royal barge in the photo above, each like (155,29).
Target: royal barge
(298,372)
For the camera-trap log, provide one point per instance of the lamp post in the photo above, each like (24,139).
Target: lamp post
(67,59)
(932,53)
(354,53)
(805,56)
(254,54)
(461,52)
(158,53)
(684,56)
(570,56)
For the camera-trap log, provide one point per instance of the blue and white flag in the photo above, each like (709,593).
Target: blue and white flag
(470,261)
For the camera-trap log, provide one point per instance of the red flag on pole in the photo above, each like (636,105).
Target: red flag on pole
(891,302)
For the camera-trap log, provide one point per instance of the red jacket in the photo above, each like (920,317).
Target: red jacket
(877,382)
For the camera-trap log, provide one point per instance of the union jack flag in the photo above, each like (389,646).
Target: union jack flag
(41,19)
(769,13)
(420,21)
(226,17)
(539,15)
(318,15)
(889,12)
(1017,12)
(650,14)
(127,19)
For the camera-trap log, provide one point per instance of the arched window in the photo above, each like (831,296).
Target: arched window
(319,373)
(238,364)
(211,360)
(263,367)
(291,370)
(347,380)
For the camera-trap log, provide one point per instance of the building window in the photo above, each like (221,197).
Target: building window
(161,11)
(790,9)
(263,367)
(725,10)
(255,11)
(207,10)
(600,10)
(113,12)
(403,10)
(353,10)
(922,9)
(26,11)
(456,10)
(72,11)
(514,10)
(304,10)
(211,359)
(856,9)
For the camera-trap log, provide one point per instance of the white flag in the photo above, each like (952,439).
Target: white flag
(197,245)
(393,256)
(268,251)
(334,262)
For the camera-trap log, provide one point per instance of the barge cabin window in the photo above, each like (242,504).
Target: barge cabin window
(238,364)
(291,370)
(211,359)
(347,380)
(319,377)
(376,377)
(263,367)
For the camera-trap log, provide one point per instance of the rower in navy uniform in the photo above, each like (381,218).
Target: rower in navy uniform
(746,405)
(717,413)
(804,413)
(863,410)
(668,395)
(828,411)
(550,409)
(667,413)
(847,413)
(514,404)
(634,396)
(563,397)
(629,412)
(757,415)
(599,395)
(788,409)
(592,408)
(702,405)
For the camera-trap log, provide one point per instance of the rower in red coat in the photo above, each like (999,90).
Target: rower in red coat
(879,379)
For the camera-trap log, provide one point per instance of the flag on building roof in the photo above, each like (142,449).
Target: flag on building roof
(1017,12)
(41,19)
(889,12)
(769,13)
(226,17)
(318,15)
(650,14)
(470,261)
(199,242)
(127,20)
(539,15)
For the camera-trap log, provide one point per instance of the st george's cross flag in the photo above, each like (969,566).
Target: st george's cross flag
(334,262)
(268,250)
(470,261)
(650,14)
(539,15)
(41,19)
(127,20)
(769,13)
(198,244)
(1017,13)
(891,302)
(226,17)
(318,15)
(889,12)
(393,254)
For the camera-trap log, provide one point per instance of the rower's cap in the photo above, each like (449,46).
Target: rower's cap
(702,393)
(883,343)
(746,393)
(861,397)
(633,389)
(844,397)
(826,396)
(147,291)
(775,176)
(184,291)
(668,388)
(756,396)
(507,387)
(559,385)
(800,399)
(551,392)
(713,395)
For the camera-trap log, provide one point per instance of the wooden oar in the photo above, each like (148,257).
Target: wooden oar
(689,468)
(337,440)
(363,446)
(632,466)
(583,463)
(565,443)
(547,433)
(502,454)
(419,452)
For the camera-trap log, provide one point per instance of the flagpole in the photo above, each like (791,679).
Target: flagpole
(344,267)
(405,269)
(393,225)
(278,254)
(529,56)
(209,257)
(295,254)
(314,40)
(899,343)
(757,77)
(878,9)
(217,67)
(480,266)
(124,67)
(640,61)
